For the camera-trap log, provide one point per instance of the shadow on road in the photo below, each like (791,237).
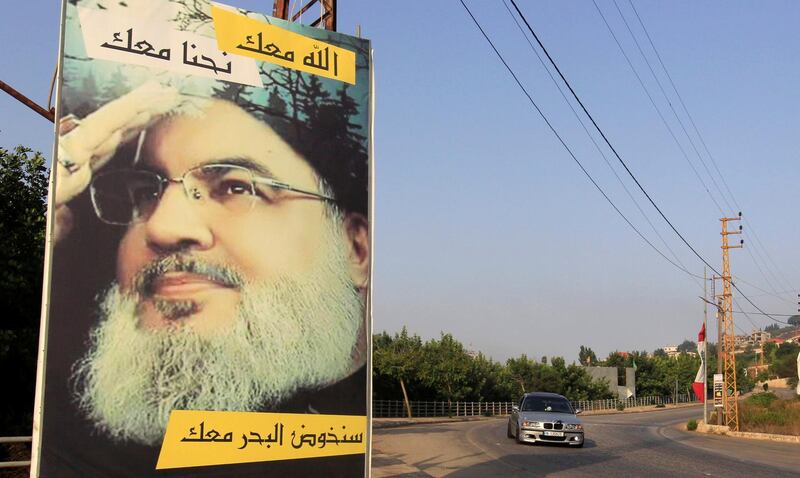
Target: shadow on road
(415,430)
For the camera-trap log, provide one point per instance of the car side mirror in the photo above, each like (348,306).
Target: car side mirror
(514,408)
(578,411)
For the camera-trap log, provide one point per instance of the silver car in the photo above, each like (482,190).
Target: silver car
(545,417)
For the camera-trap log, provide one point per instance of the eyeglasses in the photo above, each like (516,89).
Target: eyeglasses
(123,197)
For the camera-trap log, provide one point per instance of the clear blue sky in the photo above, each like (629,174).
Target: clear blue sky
(485,227)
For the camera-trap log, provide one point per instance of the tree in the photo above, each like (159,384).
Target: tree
(615,359)
(520,372)
(769,350)
(587,357)
(785,361)
(276,104)
(234,92)
(794,320)
(396,358)
(659,353)
(687,346)
(445,367)
(772,328)
(23,193)
(23,203)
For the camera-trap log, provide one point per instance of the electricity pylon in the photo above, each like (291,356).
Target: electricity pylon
(728,339)
(327,12)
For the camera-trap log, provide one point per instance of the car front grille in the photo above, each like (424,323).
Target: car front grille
(543,437)
(553,426)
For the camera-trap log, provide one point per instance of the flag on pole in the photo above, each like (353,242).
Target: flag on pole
(699,385)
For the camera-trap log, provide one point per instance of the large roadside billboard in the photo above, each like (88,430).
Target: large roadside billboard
(208,278)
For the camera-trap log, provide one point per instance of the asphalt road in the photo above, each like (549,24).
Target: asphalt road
(650,444)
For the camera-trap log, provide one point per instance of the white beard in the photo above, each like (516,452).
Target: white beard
(295,333)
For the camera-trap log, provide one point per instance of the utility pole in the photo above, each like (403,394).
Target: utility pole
(705,346)
(327,16)
(718,315)
(730,404)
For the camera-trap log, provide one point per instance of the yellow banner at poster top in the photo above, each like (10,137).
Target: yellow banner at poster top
(245,36)
(204,438)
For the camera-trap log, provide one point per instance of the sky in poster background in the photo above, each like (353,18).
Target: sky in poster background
(485,227)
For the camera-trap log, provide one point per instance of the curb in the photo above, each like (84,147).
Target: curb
(725,431)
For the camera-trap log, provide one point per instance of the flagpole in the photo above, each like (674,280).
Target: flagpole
(705,348)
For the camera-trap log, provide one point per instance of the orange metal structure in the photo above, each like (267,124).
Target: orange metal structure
(728,338)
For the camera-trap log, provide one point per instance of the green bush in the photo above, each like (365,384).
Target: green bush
(620,406)
(762,399)
(691,425)
(660,405)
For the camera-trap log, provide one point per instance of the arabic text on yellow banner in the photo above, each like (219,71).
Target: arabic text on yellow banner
(240,35)
(203,438)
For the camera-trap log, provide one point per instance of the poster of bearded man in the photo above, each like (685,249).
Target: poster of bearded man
(207,288)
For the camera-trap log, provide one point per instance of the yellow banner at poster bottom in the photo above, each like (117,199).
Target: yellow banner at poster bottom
(204,438)
(245,36)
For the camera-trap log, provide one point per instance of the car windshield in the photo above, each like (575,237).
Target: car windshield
(540,404)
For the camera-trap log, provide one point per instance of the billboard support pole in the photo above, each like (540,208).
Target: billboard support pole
(48,115)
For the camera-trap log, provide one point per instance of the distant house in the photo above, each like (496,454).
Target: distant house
(671,351)
(754,370)
(777,341)
(621,380)
(755,339)
(759,337)
(742,342)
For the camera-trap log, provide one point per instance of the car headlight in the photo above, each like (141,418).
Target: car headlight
(526,423)
(573,426)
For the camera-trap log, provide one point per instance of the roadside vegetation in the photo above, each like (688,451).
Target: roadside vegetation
(23,194)
(767,413)
(443,369)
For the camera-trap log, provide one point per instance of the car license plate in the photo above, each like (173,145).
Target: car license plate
(553,434)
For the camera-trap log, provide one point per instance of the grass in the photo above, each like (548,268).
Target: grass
(766,413)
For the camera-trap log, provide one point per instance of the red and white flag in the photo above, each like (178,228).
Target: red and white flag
(699,385)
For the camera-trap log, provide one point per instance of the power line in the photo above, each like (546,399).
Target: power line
(683,105)
(602,134)
(786,284)
(563,143)
(766,279)
(652,100)
(702,140)
(739,279)
(759,313)
(669,103)
(745,313)
(597,147)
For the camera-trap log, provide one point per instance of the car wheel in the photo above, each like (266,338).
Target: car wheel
(508,431)
(519,437)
